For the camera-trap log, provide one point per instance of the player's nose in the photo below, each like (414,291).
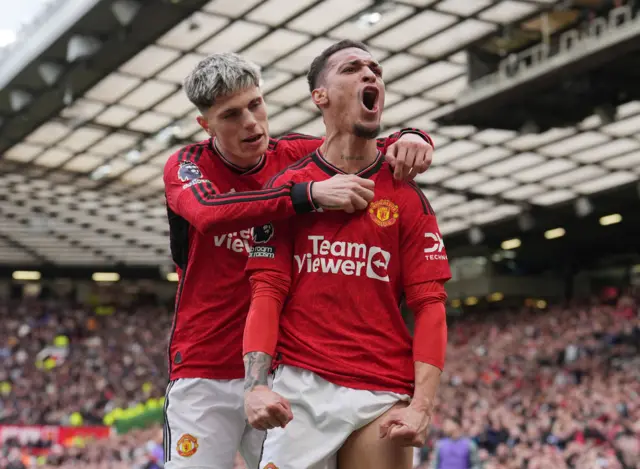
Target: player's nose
(368,76)
(250,121)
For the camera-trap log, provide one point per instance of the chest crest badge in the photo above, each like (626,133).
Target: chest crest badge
(383,212)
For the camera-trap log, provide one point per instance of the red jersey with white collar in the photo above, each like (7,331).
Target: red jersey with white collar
(212,206)
(348,272)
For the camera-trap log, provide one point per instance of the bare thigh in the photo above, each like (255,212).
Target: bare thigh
(364,449)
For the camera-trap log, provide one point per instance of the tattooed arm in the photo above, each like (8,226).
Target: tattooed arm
(256,370)
(268,292)
(265,408)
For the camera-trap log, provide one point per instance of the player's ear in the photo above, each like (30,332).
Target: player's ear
(320,97)
(202,122)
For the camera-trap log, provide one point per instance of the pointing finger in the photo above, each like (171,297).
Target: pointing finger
(400,164)
(391,155)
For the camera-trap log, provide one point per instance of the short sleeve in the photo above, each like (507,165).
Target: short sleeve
(271,248)
(424,256)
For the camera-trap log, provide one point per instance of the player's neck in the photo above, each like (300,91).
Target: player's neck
(349,153)
(234,160)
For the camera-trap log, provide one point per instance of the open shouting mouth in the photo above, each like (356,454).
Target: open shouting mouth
(370,96)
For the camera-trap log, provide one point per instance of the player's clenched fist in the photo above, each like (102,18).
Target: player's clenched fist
(407,426)
(266,409)
(343,192)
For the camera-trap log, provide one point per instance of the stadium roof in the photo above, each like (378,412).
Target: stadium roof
(81,182)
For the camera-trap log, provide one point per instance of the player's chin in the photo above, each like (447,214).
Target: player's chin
(253,149)
(367,129)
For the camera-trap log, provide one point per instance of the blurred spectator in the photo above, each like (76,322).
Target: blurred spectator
(454,451)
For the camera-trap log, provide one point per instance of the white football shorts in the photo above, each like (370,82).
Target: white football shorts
(324,416)
(205,425)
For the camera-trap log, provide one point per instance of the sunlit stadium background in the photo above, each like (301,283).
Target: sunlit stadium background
(534,106)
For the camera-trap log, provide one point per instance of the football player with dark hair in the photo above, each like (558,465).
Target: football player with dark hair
(351,388)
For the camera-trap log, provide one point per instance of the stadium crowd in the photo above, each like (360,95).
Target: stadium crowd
(555,389)
(533,389)
(114,360)
(65,364)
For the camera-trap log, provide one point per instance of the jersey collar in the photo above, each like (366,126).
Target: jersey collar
(234,167)
(332,170)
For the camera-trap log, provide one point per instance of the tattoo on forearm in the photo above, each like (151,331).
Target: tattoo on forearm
(256,369)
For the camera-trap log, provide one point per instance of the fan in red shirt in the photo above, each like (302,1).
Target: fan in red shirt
(345,356)
(214,197)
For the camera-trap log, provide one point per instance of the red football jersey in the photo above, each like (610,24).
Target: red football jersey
(212,206)
(342,316)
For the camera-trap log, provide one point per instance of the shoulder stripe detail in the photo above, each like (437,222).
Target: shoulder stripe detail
(206,195)
(187,153)
(183,155)
(198,153)
(426,206)
(295,166)
(210,188)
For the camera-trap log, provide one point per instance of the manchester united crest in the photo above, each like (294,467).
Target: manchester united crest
(270,466)
(383,212)
(187,445)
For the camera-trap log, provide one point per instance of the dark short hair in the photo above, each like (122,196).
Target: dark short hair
(320,62)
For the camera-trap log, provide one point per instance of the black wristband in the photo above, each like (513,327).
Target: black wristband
(301,198)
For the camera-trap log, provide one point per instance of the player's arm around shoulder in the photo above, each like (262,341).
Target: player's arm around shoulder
(345,192)
(196,198)
(409,151)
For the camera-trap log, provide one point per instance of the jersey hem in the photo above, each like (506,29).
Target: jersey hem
(208,373)
(352,383)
